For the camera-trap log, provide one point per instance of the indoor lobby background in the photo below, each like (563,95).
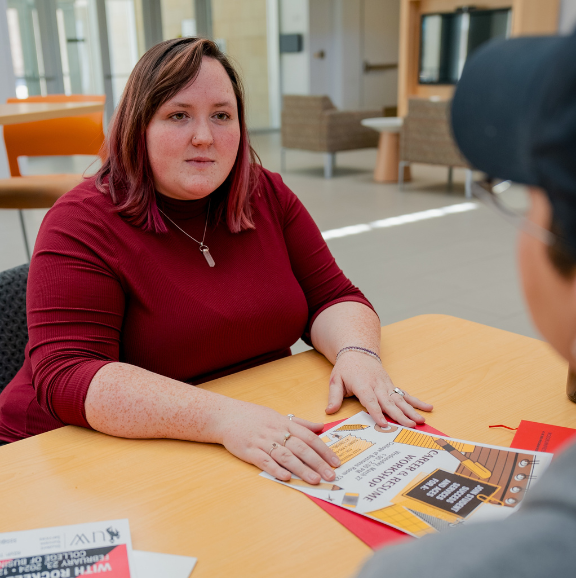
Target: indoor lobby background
(406,260)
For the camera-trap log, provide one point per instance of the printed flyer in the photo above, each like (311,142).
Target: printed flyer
(68,551)
(422,483)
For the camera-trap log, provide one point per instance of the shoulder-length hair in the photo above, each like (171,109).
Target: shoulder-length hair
(126,173)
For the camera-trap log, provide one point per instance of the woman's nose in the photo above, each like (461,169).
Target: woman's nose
(202,135)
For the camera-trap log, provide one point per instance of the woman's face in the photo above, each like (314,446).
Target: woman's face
(551,297)
(193,138)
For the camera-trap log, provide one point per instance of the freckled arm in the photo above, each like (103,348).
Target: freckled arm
(127,401)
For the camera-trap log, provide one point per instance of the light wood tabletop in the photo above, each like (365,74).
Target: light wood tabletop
(14,113)
(197,500)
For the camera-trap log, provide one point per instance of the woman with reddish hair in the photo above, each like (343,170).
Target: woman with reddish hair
(181,261)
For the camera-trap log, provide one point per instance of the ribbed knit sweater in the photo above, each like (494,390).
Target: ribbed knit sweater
(102,290)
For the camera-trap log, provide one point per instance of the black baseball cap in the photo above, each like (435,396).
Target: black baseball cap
(514,118)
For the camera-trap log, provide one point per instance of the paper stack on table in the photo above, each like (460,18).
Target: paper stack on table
(422,483)
(82,550)
(154,565)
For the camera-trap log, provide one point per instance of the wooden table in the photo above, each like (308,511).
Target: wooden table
(388,158)
(198,500)
(14,113)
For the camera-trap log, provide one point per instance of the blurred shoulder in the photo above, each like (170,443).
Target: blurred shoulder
(83,203)
(274,190)
(85,196)
(271,180)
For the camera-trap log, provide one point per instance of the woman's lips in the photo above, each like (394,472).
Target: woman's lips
(200,162)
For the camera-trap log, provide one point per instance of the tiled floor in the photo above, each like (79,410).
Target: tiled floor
(460,264)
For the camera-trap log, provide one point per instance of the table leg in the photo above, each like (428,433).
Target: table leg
(386,170)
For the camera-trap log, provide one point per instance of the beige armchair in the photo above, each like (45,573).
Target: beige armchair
(313,123)
(426,137)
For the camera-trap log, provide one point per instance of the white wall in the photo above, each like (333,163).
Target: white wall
(321,46)
(347,32)
(336,29)
(272,41)
(380,40)
(295,69)
(8,82)
(567,16)
(347,92)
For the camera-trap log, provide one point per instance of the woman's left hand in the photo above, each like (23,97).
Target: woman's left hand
(358,374)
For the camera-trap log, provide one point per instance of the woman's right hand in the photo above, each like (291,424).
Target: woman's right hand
(250,430)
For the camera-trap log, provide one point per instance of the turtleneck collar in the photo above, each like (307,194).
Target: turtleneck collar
(178,209)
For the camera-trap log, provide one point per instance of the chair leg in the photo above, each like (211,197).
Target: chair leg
(469,179)
(401,167)
(282,160)
(450,179)
(329,163)
(21,214)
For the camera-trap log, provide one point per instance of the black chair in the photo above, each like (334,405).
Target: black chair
(13,325)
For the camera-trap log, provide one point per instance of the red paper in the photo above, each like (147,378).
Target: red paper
(115,565)
(541,437)
(372,533)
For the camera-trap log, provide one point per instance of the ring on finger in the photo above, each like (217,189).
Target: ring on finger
(290,416)
(287,436)
(398,391)
(274,447)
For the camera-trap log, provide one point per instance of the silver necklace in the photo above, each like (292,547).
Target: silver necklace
(203,248)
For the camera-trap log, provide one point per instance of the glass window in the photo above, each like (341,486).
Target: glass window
(24,32)
(79,46)
(123,43)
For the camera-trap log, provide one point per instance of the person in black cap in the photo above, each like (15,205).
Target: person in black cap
(514,118)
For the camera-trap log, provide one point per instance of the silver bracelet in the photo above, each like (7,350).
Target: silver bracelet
(359,350)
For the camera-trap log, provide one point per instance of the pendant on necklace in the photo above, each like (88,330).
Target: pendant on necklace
(206,252)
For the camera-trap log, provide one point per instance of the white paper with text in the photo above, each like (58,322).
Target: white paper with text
(68,551)
(422,483)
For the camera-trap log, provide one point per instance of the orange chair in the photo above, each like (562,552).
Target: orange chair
(74,135)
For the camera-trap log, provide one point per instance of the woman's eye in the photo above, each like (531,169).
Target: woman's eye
(222,116)
(178,116)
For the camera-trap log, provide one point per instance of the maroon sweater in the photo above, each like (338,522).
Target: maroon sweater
(101,290)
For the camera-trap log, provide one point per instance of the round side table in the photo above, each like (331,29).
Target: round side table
(387,161)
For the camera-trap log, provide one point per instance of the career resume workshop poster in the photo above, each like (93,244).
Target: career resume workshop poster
(422,483)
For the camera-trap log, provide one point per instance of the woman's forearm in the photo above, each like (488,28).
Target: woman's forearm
(345,324)
(130,402)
